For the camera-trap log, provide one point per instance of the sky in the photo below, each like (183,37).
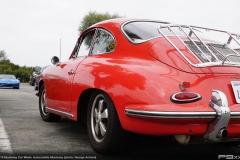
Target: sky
(31,30)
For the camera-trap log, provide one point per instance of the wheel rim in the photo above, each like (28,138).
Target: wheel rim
(43,103)
(99,118)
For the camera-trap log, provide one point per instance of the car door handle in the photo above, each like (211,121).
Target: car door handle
(71,72)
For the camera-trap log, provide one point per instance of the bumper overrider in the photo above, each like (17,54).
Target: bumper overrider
(216,130)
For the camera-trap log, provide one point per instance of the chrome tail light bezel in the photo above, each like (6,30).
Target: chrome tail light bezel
(174,99)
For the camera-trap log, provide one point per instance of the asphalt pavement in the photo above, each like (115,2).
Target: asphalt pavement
(23,135)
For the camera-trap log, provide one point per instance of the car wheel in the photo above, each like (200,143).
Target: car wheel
(46,116)
(104,129)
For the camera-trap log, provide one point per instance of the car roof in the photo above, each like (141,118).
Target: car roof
(120,21)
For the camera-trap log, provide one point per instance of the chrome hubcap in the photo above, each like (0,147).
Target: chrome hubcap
(43,103)
(99,118)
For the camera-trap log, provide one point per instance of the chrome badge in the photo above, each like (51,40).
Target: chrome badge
(235,77)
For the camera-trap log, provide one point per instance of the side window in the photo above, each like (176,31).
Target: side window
(104,42)
(86,42)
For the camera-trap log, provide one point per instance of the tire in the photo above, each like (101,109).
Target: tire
(35,87)
(104,129)
(46,116)
(32,82)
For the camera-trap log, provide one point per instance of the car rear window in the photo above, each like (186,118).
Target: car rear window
(141,31)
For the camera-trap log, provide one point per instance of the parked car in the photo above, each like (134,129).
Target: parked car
(32,78)
(147,77)
(37,77)
(9,81)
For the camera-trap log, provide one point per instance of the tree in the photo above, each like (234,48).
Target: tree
(7,67)
(93,17)
(3,55)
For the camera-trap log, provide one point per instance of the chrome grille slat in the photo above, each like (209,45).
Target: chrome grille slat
(194,49)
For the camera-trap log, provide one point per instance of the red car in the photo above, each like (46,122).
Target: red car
(148,77)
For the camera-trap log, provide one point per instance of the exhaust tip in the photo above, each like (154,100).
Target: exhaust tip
(182,139)
(222,134)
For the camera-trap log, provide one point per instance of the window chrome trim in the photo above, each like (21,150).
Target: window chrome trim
(99,28)
(130,40)
(61,112)
(79,43)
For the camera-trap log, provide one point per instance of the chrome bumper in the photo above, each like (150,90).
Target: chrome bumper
(157,114)
(216,130)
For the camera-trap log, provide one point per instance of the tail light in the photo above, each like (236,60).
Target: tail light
(185,97)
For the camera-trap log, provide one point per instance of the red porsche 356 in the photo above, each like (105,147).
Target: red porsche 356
(148,77)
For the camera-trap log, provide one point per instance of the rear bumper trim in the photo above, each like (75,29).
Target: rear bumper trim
(235,114)
(157,114)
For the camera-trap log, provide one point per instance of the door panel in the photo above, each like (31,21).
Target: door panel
(59,86)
